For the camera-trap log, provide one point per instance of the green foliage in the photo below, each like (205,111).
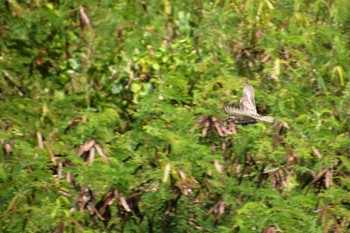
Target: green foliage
(111,116)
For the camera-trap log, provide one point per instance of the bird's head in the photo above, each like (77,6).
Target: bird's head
(230,119)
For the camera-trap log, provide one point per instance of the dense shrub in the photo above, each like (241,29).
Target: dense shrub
(112,119)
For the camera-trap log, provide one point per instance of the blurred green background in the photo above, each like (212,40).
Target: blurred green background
(111,116)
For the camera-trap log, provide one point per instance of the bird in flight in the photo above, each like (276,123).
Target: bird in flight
(246,113)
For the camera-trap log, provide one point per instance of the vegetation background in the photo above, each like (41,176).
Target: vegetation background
(111,116)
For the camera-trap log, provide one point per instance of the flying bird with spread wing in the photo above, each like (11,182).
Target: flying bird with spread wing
(246,113)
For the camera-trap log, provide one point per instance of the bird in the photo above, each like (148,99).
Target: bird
(246,114)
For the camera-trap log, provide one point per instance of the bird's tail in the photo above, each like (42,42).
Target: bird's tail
(267,118)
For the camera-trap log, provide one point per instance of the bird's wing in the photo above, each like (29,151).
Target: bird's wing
(231,110)
(247,102)
(239,113)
